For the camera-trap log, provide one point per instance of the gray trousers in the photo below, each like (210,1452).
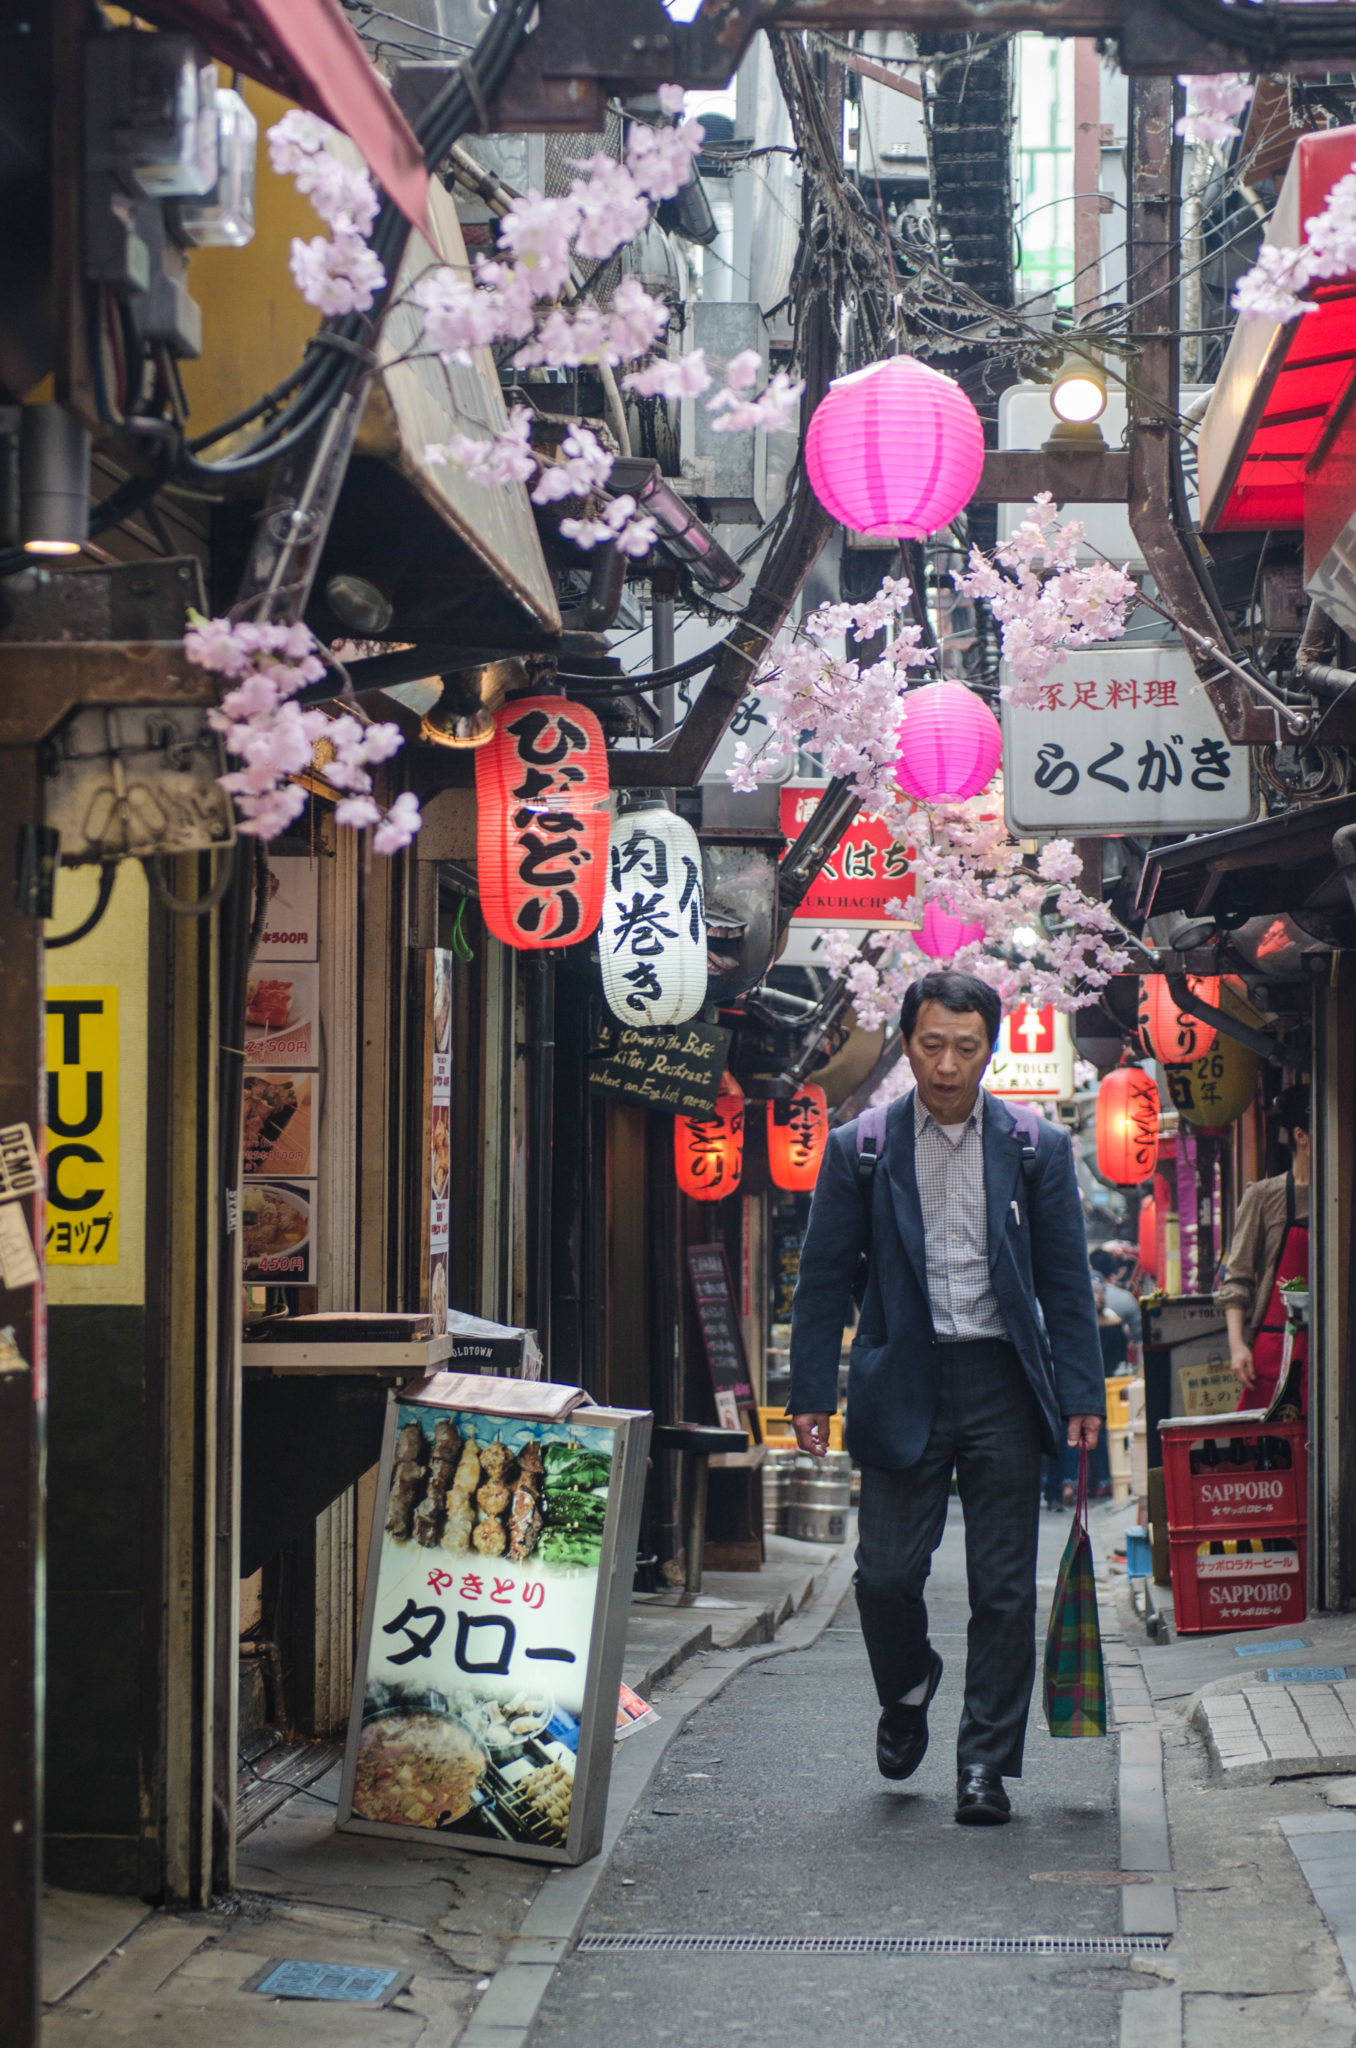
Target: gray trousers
(987,1429)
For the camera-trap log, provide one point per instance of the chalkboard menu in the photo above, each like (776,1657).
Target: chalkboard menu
(677,1069)
(721,1334)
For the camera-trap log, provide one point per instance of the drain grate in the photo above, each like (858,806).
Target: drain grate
(873,1944)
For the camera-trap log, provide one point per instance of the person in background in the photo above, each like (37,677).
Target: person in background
(1270,1245)
(1114,1266)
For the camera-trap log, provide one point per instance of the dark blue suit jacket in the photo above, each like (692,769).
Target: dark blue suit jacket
(1038,1260)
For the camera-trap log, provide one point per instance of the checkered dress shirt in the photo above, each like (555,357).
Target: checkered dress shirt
(955,1226)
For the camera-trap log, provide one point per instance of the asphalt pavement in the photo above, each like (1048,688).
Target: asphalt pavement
(768,1818)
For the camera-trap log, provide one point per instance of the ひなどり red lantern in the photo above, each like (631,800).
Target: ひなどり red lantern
(542,823)
(1127,1126)
(1174,1035)
(708,1151)
(895,448)
(950,743)
(1148,1236)
(795,1146)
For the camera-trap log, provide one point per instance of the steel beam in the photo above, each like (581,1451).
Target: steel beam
(1158,515)
(1012,476)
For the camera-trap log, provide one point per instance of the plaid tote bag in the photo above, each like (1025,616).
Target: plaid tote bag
(1075,1683)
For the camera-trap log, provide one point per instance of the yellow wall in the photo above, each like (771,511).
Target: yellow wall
(113,956)
(255,322)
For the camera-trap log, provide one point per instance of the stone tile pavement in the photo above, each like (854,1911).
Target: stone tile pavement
(1259,1733)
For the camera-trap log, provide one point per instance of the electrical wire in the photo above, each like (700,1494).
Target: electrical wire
(296,406)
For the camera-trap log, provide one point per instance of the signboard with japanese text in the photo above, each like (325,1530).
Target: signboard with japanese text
(677,1068)
(722,1338)
(282,1092)
(438,1130)
(1034,1056)
(82,1126)
(494,1625)
(865,873)
(1124,740)
(291,922)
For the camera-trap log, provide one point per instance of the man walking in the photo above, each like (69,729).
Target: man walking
(977,1351)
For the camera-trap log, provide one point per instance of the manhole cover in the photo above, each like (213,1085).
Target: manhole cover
(1095,1877)
(347,1983)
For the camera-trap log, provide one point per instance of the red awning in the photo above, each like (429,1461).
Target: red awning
(307,50)
(1281,395)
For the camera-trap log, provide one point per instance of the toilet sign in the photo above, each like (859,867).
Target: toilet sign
(1034,1055)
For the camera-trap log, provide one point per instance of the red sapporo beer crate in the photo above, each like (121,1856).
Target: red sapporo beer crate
(1223,1583)
(1228,1495)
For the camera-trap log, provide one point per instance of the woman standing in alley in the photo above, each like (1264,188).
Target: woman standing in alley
(1270,1246)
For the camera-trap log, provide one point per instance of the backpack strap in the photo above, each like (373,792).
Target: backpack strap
(870,1144)
(1028,1125)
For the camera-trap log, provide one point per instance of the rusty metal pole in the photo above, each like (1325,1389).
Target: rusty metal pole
(1158,515)
(22,1404)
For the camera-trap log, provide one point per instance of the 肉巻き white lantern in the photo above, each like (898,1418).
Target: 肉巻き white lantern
(652,936)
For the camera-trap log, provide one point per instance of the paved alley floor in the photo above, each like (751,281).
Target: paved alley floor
(768,1817)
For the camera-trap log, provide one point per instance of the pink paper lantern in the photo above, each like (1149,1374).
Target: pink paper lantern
(949,745)
(943,935)
(894,449)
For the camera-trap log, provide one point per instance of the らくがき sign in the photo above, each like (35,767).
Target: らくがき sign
(1124,739)
(494,1624)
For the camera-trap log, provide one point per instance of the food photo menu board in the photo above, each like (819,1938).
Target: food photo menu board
(281,1090)
(494,1622)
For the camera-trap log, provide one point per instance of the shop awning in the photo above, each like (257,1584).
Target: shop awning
(306,50)
(1285,863)
(1286,387)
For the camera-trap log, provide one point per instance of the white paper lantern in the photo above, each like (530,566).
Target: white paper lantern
(652,938)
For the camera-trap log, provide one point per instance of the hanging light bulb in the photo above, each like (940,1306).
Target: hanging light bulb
(53,481)
(1078,394)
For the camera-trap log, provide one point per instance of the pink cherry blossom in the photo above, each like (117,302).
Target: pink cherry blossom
(678,377)
(584,466)
(399,825)
(773,409)
(357,811)
(612,209)
(1269,291)
(671,98)
(660,159)
(494,459)
(538,231)
(337,277)
(1213,101)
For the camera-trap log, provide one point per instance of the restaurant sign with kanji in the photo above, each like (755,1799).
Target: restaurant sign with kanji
(1124,740)
(862,878)
(494,1619)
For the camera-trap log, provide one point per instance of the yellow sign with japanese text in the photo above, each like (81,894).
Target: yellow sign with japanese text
(82,1126)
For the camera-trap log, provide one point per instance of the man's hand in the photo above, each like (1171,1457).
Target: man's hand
(812,1433)
(1084,1429)
(1241,1364)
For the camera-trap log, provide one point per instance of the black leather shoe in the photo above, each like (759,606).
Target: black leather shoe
(902,1732)
(981,1801)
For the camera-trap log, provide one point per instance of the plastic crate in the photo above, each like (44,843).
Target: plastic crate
(1217,1592)
(1227,1496)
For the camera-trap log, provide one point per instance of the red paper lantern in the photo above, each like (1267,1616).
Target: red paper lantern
(1127,1126)
(796,1148)
(1172,1035)
(943,935)
(950,743)
(542,823)
(894,449)
(708,1151)
(1148,1236)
